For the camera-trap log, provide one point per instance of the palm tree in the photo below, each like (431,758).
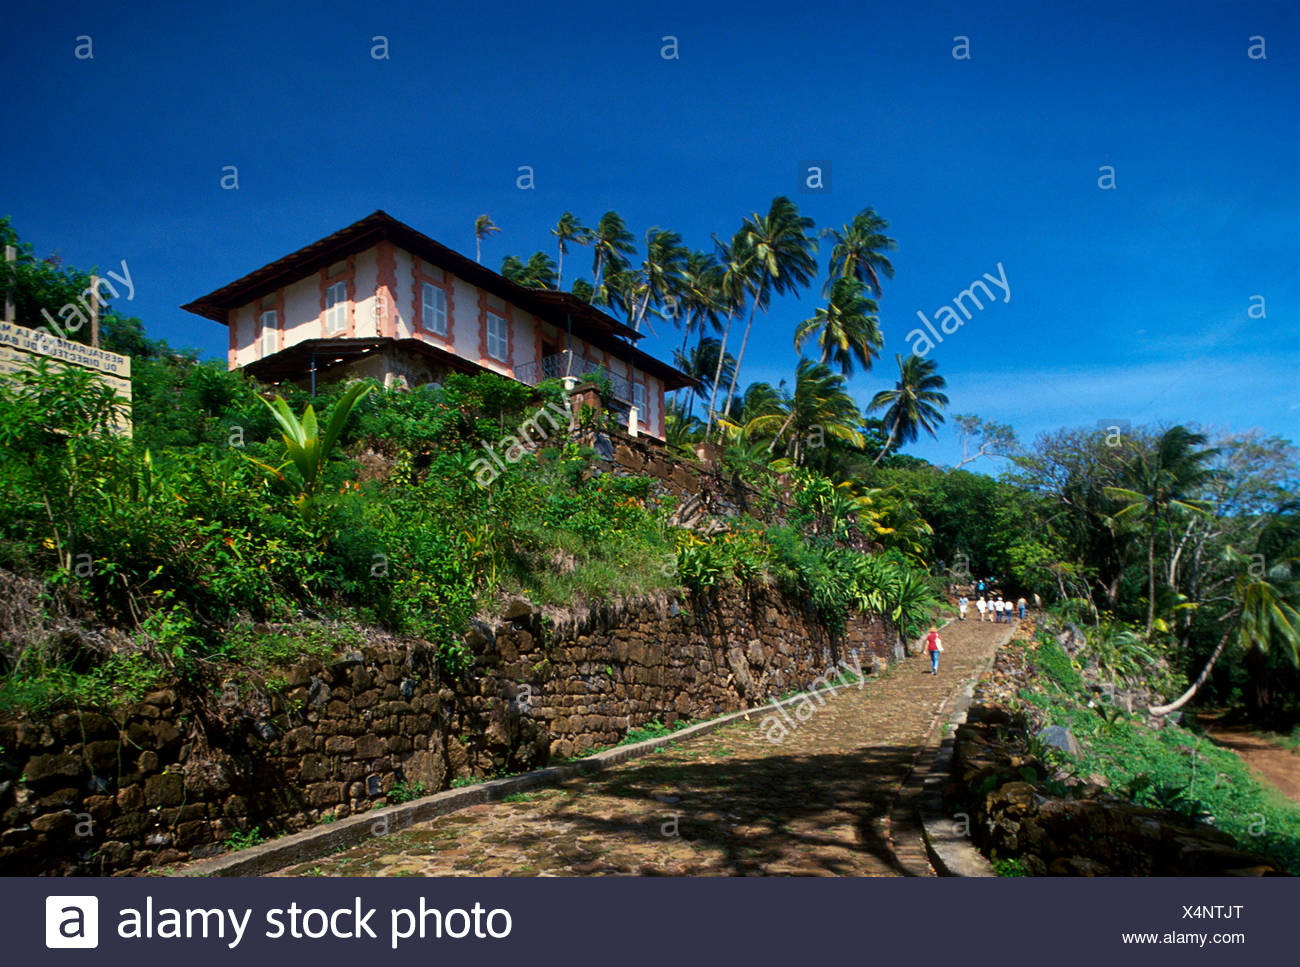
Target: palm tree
(483,227)
(859,251)
(1161,482)
(681,428)
(847,328)
(537,273)
(661,271)
(1266,607)
(734,287)
(781,252)
(818,403)
(699,297)
(513,268)
(621,289)
(568,229)
(703,364)
(913,404)
(611,243)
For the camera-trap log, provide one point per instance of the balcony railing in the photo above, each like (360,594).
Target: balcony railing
(569,363)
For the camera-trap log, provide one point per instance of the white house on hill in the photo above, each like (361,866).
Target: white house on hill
(380,299)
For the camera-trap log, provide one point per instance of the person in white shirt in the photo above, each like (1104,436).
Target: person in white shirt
(982,607)
(997,611)
(961,608)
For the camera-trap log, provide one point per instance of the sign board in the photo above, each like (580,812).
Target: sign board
(19,345)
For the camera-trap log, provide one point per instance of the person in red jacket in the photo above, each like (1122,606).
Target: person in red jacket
(934,645)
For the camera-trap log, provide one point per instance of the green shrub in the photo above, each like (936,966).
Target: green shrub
(405,791)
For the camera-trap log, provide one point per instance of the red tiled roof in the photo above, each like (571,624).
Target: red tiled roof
(380,226)
(560,309)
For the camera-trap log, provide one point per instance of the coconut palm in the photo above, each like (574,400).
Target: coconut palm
(818,407)
(611,244)
(568,229)
(699,297)
(1160,482)
(847,328)
(859,251)
(734,287)
(681,428)
(537,273)
(1265,614)
(483,227)
(702,365)
(621,290)
(781,258)
(913,404)
(661,271)
(513,268)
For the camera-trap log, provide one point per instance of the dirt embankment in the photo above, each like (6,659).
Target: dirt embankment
(1279,766)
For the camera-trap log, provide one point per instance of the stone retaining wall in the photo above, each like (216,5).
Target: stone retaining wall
(173,777)
(721,493)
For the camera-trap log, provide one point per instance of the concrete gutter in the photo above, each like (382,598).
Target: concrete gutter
(319,841)
(951,852)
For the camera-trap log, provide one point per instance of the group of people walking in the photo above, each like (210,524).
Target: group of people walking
(996,609)
(992,606)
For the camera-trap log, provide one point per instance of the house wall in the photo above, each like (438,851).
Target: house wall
(385,286)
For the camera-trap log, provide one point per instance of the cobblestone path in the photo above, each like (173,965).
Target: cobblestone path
(728,803)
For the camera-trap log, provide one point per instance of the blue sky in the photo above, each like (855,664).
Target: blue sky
(1129,303)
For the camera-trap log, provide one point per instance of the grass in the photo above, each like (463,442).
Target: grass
(521,797)
(1009,867)
(653,729)
(244,838)
(119,680)
(124,679)
(1290,741)
(406,791)
(1170,767)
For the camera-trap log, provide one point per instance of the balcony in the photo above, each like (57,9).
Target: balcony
(569,363)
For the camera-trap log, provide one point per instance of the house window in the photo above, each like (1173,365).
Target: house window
(270,321)
(498,337)
(638,400)
(433,312)
(336,307)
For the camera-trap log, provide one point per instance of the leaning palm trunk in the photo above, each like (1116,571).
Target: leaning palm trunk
(781,432)
(717,378)
(1201,679)
(1151,578)
(888,443)
(686,334)
(731,390)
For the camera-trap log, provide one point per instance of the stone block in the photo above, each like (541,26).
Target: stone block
(167,789)
(53,768)
(321,794)
(299,740)
(315,768)
(366,699)
(340,745)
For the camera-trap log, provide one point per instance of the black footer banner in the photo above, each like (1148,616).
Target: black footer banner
(649,921)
